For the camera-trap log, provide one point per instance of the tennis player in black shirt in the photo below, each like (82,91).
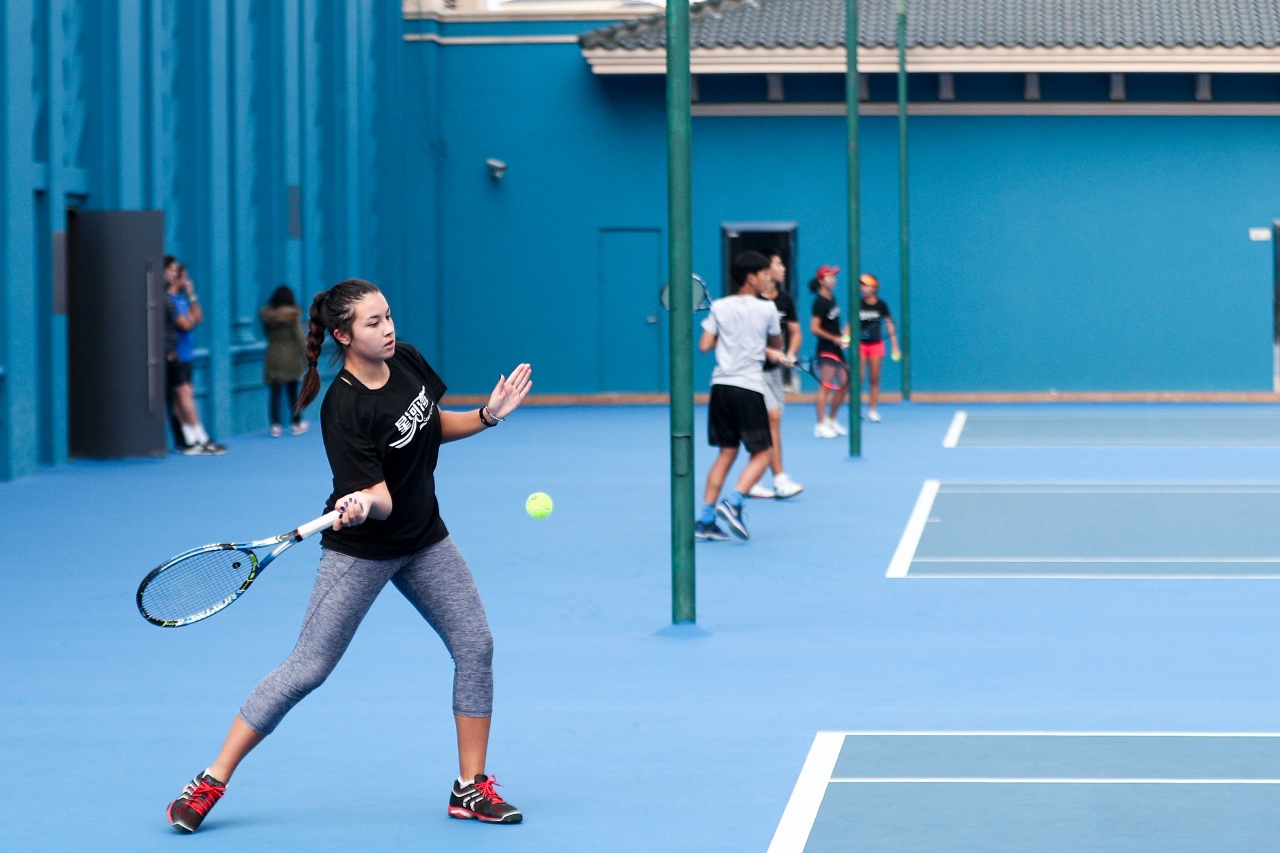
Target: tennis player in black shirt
(382,429)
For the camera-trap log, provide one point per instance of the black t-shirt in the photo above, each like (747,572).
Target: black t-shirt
(390,433)
(786,314)
(829,311)
(872,317)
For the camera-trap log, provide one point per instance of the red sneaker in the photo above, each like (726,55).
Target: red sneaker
(478,801)
(189,810)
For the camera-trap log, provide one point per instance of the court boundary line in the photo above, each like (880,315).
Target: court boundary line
(798,818)
(796,825)
(906,550)
(1090,577)
(952,438)
(1015,780)
(1096,560)
(905,555)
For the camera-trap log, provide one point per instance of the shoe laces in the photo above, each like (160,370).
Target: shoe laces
(486,788)
(202,795)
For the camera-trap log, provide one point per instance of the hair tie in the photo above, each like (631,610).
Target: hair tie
(311,363)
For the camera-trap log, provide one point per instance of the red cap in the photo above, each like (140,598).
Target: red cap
(827,269)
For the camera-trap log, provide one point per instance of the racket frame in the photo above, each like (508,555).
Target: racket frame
(810,365)
(701,295)
(282,542)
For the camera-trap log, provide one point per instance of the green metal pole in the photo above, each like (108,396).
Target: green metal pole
(904,227)
(680,277)
(854,300)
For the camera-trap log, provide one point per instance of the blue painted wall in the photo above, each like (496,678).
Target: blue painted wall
(270,133)
(1048,253)
(305,141)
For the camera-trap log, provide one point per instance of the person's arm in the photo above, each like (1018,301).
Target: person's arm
(815,327)
(793,347)
(893,334)
(194,316)
(360,506)
(707,342)
(194,312)
(505,399)
(773,349)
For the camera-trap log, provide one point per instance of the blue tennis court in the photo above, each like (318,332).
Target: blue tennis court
(1117,426)
(1064,791)
(600,704)
(1102,530)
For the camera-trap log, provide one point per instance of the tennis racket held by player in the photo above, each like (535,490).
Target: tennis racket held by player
(198,583)
(830,370)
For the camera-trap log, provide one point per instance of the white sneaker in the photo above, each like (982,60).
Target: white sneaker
(835,427)
(873,416)
(760,491)
(785,487)
(823,430)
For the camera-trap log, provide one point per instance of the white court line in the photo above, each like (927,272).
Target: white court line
(953,433)
(915,529)
(802,809)
(1094,576)
(1096,559)
(974,780)
(1103,489)
(1024,733)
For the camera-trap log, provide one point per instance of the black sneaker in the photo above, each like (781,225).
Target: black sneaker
(188,811)
(732,516)
(212,448)
(478,801)
(709,532)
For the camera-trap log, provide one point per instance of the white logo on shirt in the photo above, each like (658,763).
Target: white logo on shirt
(418,414)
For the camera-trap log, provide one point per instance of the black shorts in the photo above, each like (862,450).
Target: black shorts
(738,415)
(177,373)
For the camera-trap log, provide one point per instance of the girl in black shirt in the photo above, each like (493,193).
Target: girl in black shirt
(382,429)
(825,325)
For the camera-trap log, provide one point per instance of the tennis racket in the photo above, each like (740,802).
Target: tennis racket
(701,296)
(831,370)
(198,583)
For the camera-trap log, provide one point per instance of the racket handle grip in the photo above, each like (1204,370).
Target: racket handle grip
(313,527)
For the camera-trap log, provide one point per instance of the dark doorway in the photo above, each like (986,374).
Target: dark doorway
(115,333)
(738,237)
(1275,289)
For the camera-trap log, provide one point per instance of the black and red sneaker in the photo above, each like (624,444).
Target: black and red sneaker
(189,810)
(478,801)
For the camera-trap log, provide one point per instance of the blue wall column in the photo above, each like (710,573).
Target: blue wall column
(19,394)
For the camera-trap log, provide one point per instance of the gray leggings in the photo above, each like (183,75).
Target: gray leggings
(436,581)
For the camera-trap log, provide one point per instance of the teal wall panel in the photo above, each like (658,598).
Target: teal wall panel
(269,133)
(305,141)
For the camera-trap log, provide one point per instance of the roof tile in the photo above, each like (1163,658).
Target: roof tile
(961,23)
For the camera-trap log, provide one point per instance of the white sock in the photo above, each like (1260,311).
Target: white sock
(462,783)
(201,435)
(189,433)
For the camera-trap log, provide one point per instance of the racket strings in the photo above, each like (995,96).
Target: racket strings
(196,584)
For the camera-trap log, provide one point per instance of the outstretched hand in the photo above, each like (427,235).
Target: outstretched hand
(510,391)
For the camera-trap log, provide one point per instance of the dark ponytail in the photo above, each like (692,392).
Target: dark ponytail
(331,310)
(813,285)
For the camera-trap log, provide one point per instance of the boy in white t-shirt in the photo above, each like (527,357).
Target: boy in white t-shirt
(743,330)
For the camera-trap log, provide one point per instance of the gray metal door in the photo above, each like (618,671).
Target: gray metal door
(115,333)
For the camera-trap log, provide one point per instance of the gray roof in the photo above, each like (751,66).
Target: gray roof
(961,23)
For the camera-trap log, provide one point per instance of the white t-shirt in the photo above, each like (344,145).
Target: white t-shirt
(741,324)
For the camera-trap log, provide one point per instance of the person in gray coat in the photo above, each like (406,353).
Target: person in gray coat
(283,365)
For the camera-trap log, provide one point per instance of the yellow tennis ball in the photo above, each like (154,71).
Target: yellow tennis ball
(846,338)
(538,505)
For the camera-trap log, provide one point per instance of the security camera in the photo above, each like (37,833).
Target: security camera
(496,167)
